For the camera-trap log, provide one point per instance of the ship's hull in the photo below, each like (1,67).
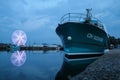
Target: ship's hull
(80,37)
(74,65)
(83,43)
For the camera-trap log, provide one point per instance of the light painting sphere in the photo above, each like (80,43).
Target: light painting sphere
(18,58)
(19,37)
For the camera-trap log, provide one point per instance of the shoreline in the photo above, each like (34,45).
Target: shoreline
(106,67)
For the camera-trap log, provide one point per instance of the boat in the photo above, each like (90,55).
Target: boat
(84,39)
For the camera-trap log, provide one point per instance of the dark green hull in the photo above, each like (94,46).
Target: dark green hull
(83,43)
(84,39)
(81,37)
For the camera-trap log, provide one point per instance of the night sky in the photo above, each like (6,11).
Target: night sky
(39,18)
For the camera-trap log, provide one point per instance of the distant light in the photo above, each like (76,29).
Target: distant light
(19,37)
(106,50)
(18,58)
(69,38)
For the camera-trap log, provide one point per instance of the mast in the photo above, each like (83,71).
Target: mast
(88,15)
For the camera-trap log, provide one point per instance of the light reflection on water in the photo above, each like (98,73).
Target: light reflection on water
(38,66)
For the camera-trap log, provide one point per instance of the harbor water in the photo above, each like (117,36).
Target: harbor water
(38,66)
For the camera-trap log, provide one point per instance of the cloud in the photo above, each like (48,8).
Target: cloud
(101,15)
(36,15)
(117,22)
(32,23)
(24,14)
(42,4)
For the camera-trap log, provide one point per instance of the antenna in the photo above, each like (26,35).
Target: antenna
(88,15)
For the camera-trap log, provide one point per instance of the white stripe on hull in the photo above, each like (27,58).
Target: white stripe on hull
(85,53)
(80,59)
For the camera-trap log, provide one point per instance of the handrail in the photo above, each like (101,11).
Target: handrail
(70,17)
(79,18)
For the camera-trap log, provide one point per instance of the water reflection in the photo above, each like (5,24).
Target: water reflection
(18,58)
(38,66)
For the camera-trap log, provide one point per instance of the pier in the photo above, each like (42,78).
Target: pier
(39,48)
(107,67)
(12,47)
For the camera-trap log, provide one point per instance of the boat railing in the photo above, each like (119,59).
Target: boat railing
(72,17)
(79,18)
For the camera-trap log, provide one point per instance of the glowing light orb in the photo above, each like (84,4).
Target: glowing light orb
(19,37)
(69,38)
(18,58)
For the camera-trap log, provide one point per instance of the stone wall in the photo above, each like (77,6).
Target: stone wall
(107,67)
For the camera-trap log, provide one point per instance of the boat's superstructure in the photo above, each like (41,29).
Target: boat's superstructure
(83,37)
(82,34)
